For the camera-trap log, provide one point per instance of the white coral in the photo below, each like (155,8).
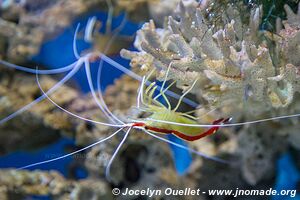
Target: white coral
(233,57)
(235,65)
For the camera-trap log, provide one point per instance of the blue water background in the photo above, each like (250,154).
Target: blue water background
(288,177)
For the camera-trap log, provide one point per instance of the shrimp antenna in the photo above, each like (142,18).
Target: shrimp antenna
(140,93)
(42,97)
(74,42)
(34,71)
(109,16)
(99,103)
(107,171)
(108,113)
(162,90)
(70,154)
(88,33)
(73,114)
(106,110)
(189,149)
(180,99)
(166,76)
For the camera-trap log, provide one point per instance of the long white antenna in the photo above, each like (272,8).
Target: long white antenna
(70,154)
(107,171)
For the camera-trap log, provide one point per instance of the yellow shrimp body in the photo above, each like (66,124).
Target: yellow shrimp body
(164,114)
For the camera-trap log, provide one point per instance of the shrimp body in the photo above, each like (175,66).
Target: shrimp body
(183,132)
(159,112)
(170,115)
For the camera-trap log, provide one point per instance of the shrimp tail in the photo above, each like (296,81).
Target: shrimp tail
(210,131)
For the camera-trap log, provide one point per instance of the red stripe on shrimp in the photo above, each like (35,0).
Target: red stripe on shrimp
(181,135)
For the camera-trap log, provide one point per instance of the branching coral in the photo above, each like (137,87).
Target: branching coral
(235,64)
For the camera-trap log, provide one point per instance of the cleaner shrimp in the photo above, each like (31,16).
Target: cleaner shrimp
(162,120)
(115,121)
